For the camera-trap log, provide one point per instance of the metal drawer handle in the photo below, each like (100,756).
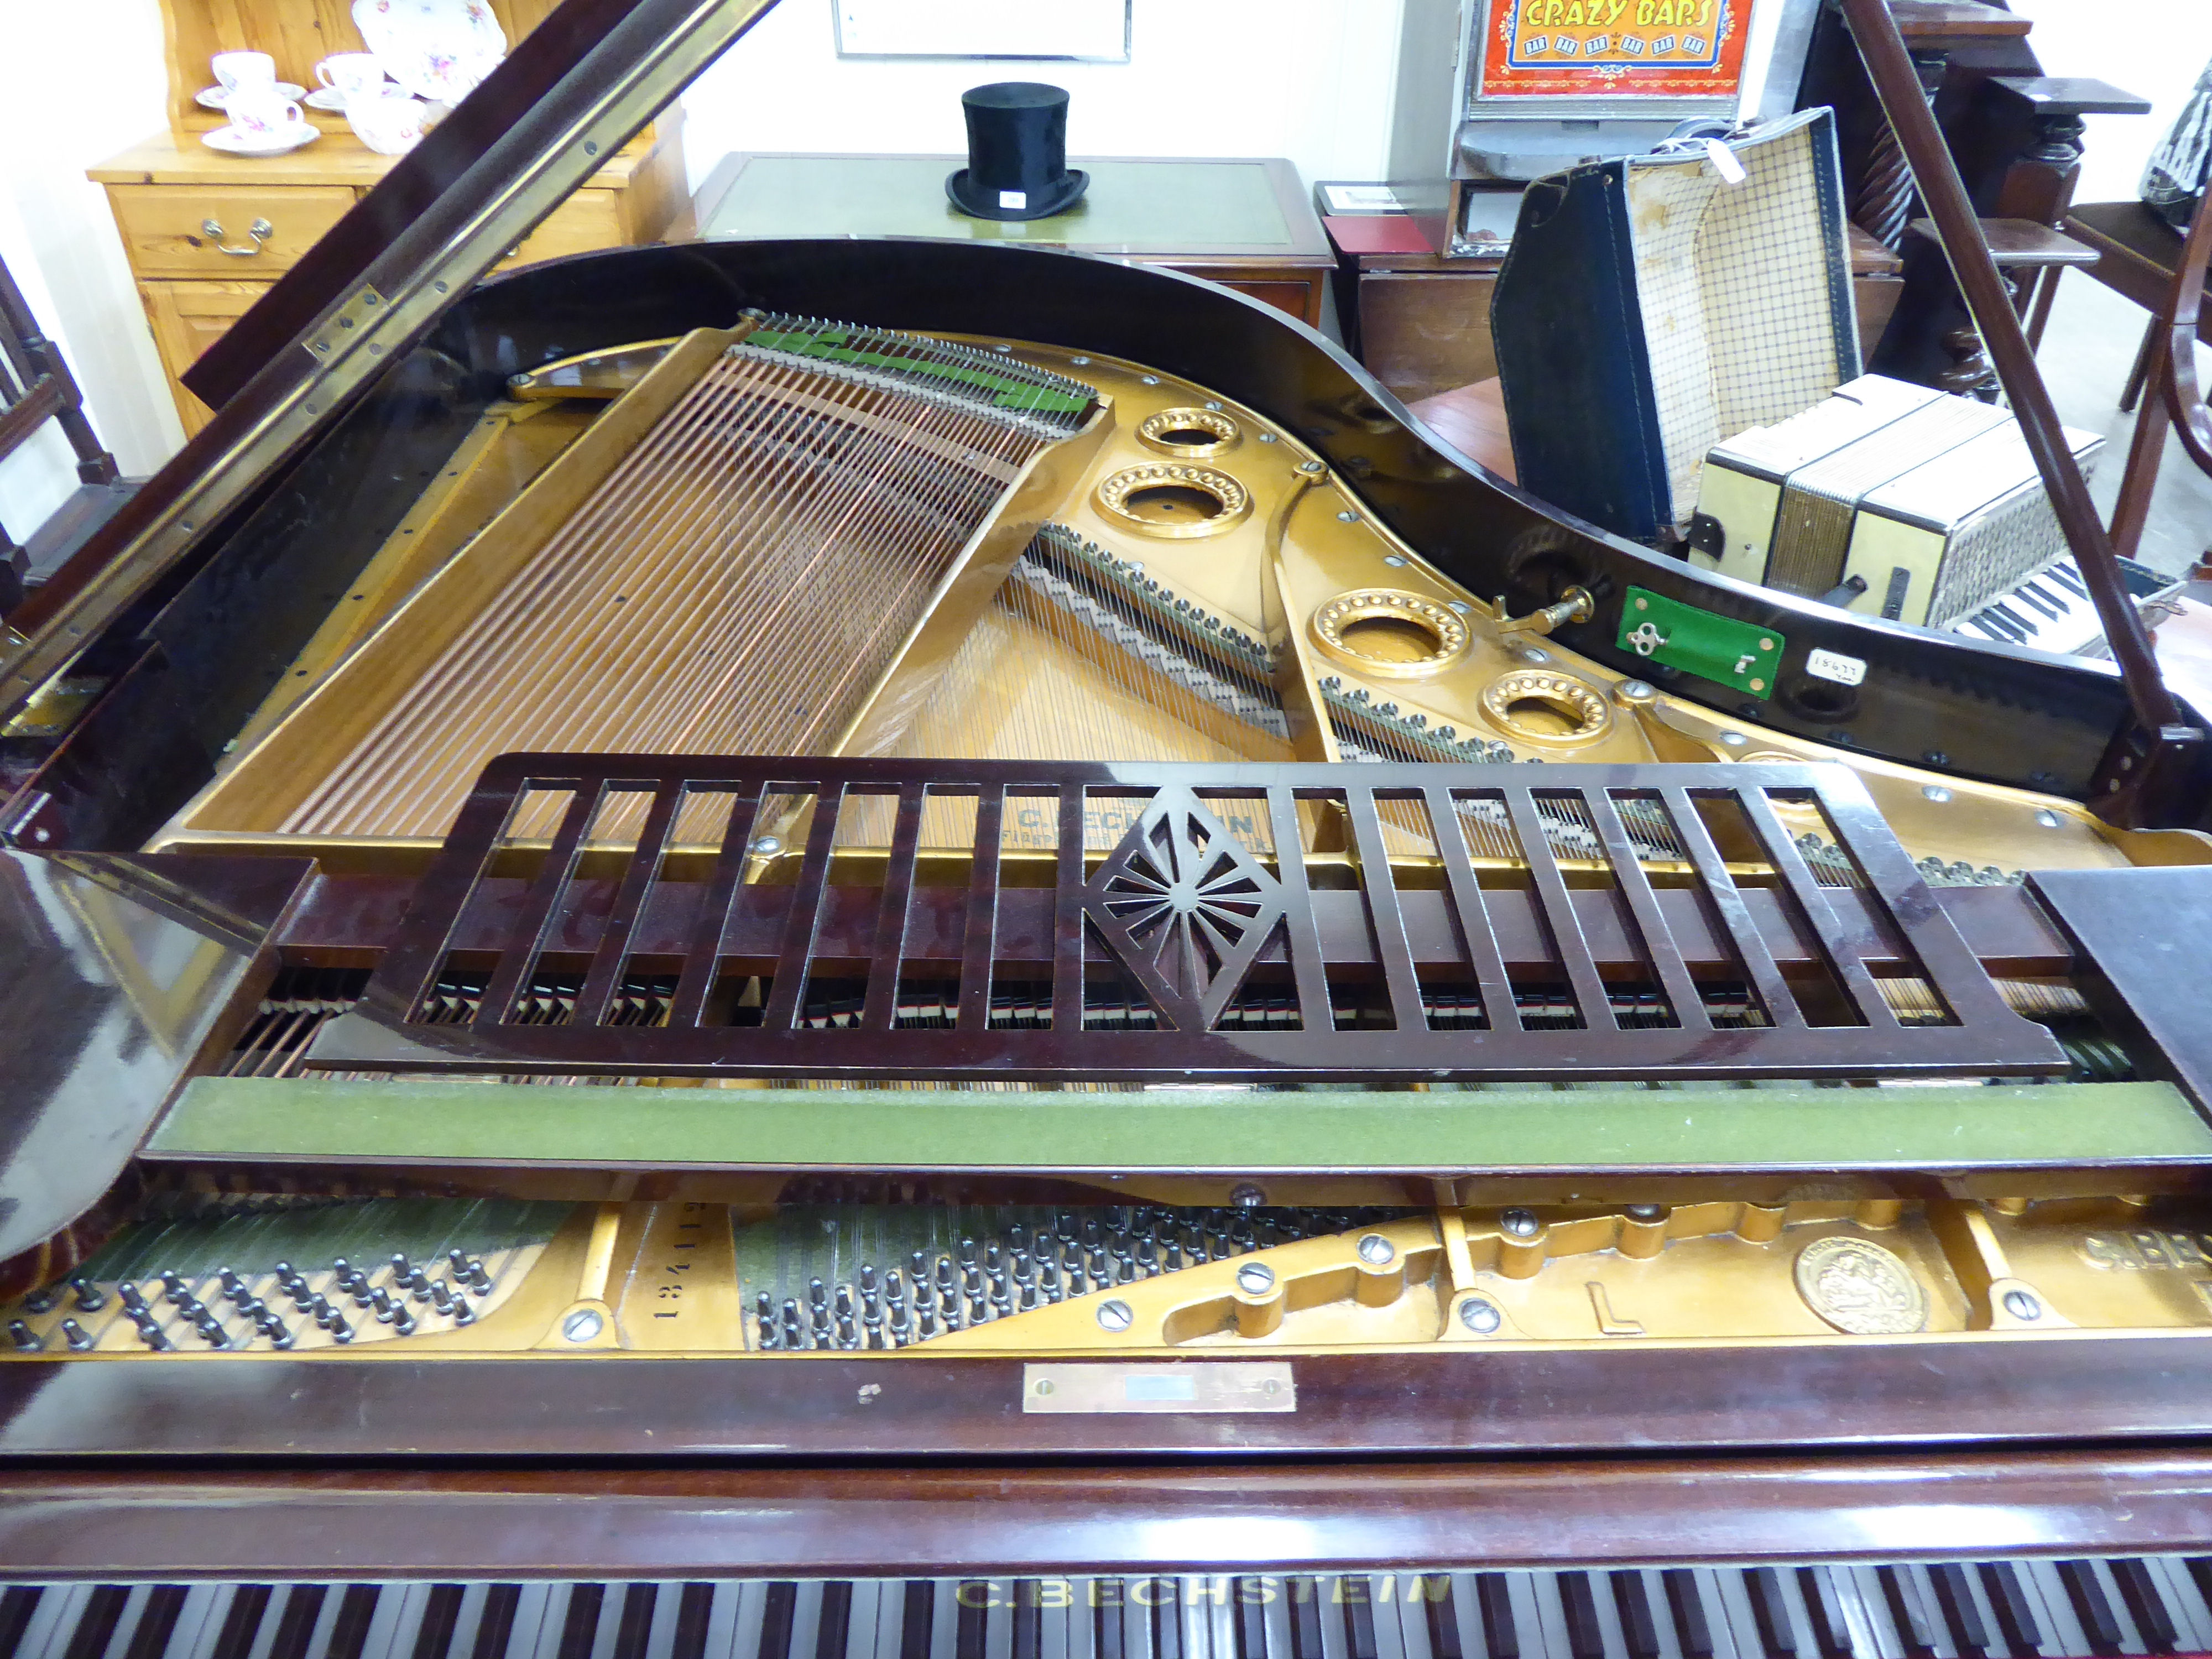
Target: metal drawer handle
(260,230)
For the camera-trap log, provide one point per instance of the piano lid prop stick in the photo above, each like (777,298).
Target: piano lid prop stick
(1898,87)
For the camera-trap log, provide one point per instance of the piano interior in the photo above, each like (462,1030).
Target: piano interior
(837,913)
(799,538)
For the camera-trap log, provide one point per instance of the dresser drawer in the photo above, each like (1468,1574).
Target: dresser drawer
(587,221)
(165,225)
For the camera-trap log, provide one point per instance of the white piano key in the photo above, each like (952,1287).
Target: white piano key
(1055,1623)
(860,1625)
(1382,1589)
(52,1619)
(1278,1610)
(535,1604)
(200,1621)
(398,1618)
(806,1620)
(126,1623)
(1804,1631)
(272,1620)
(1550,1624)
(1076,1624)
(1412,1620)
(468,1619)
(725,1618)
(1530,1632)
(1719,1625)
(751,1614)
(1874,1607)
(2132,1642)
(945,1622)
(891,1612)
(1609,1615)
(2040,1580)
(1199,1606)
(1734,1599)
(2191,1615)
(1987,1608)
(1467,1612)
(552,1626)
(1329,1588)
(1662,1613)
(327,1622)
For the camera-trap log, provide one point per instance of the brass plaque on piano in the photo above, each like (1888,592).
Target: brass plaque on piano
(1207,1387)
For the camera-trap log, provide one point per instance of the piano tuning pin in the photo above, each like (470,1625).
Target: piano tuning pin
(818,1294)
(917,1268)
(133,1299)
(403,1322)
(967,1252)
(89,1298)
(155,1337)
(25,1339)
(844,1302)
(340,1331)
(994,1257)
(944,1274)
(867,1276)
(463,1314)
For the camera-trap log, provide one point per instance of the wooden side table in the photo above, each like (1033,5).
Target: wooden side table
(1247,224)
(206,233)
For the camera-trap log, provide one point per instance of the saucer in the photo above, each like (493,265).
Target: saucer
(216,97)
(326,98)
(231,142)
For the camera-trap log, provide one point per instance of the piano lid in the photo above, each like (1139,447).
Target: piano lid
(573,91)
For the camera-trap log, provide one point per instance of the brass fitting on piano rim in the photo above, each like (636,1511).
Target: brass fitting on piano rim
(1575,606)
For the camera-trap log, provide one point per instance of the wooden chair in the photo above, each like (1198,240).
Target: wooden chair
(2151,262)
(36,386)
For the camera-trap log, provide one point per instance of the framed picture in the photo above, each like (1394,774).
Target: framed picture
(1612,49)
(1082,31)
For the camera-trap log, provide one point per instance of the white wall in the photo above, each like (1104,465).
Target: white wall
(108,90)
(1308,79)
(2154,48)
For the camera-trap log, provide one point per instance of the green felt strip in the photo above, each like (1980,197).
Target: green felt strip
(1789,1127)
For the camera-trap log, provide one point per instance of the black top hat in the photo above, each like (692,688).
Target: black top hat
(1016,153)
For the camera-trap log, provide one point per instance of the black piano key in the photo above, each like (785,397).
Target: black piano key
(777,1605)
(1252,1619)
(835,1627)
(1106,1629)
(295,1625)
(695,1612)
(1357,1596)
(241,1622)
(1499,1633)
(2139,1588)
(633,1626)
(156,1622)
(1166,1619)
(1585,1636)
(1304,1595)
(916,1618)
(579,1624)
(497,1623)
(1443,1613)
(1770,1611)
(1908,1609)
(1639,1629)
(1693,1632)
(2026,594)
(1028,1618)
(971,1625)
(2014,1606)
(2100,1621)
(356,1610)
(1962,1619)
(2069,576)
(17,1603)
(95,1626)
(1831,1631)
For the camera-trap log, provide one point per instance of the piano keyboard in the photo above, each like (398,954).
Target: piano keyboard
(2051,609)
(2050,1609)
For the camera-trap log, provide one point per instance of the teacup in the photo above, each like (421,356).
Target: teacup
(350,74)
(389,125)
(262,113)
(233,70)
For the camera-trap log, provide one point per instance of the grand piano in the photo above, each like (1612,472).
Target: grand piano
(855,950)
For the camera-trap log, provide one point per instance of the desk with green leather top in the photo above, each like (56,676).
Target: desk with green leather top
(1246,223)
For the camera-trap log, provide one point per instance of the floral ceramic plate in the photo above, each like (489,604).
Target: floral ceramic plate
(231,142)
(436,49)
(216,97)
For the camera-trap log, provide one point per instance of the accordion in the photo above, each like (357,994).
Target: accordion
(1654,305)
(1891,500)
